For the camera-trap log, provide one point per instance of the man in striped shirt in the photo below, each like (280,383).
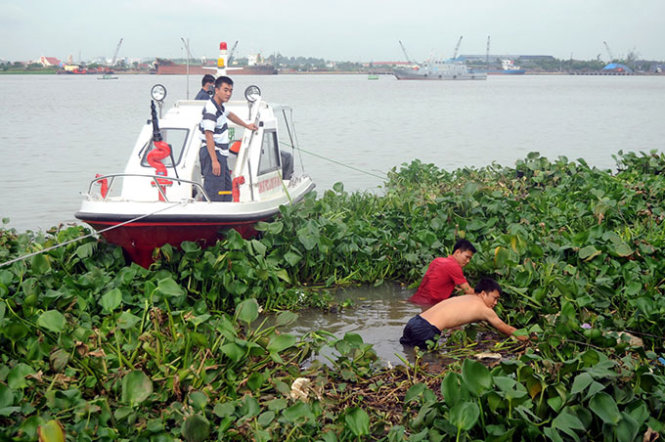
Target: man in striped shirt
(214,134)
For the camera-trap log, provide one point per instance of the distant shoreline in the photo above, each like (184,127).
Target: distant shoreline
(593,73)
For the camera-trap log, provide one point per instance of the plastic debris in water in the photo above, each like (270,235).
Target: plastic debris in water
(488,356)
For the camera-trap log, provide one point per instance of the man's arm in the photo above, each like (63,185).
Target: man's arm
(210,146)
(466,288)
(235,119)
(498,324)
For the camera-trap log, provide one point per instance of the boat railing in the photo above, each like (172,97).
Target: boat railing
(157,181)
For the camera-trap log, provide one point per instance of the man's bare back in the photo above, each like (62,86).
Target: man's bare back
(459,310)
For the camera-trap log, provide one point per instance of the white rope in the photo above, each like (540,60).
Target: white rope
(48,249)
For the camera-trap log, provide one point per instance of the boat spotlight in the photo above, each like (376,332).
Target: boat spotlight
(158,92)
(252,93)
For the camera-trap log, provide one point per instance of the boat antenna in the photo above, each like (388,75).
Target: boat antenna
(157,136)
(487,56)
(189,55)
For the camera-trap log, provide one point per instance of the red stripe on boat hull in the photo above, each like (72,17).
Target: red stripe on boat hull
(139,240)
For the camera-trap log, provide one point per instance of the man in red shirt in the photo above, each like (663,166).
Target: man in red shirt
(443,274)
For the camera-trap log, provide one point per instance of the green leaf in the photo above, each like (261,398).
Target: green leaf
(415,391)
(604,406)
(476,377)
(52,320)
(300,412)
(168,287)
(464,415)
(111,300)
(259,248)
(589,252)
(6,396)
(199,400)
(627,429)
(279,343)
(620,249)
(190,247)
(286,318)
(51,431)
(136,387)
(16,377)
(283,275)
(255,381)
(196,428)
(452,389)
(357,420)
(85,250)
(127,320)
(568,423)
(40,264)
(308,236)
(292,258)
(265,418)
(233,351)
(582,381)
(247,311)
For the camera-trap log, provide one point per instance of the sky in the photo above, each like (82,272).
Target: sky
(339,30)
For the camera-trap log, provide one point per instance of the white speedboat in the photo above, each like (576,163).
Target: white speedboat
(160,199)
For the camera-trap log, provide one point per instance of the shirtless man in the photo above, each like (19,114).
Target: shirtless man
(456,311)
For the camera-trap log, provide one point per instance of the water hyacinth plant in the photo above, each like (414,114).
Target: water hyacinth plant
(94,348)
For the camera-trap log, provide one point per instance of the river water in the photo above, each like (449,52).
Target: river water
(56,132)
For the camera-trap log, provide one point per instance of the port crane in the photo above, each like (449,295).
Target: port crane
(229,58)
(608,51)
(408,59)
(459,42)
(115,55)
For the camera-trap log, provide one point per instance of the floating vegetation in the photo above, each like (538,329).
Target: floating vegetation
(95,349)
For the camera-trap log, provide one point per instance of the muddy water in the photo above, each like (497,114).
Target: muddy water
(378,314)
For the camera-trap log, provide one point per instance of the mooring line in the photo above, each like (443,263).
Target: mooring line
(383,177)
(48,249)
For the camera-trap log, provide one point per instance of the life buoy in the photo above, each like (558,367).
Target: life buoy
(235,147)
(155,157)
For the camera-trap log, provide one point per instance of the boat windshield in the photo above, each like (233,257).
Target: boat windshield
(269,159)
(175,138)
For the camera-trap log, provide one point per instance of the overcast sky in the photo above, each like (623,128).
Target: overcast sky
(340,30)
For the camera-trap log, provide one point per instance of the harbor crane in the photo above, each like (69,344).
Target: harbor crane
(115,54)
(608,51)
(459,42)
(408,59)
(229,58)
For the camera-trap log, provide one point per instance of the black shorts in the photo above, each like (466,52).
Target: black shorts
(417,331)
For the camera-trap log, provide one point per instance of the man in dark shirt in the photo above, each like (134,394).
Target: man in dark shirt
(207,86)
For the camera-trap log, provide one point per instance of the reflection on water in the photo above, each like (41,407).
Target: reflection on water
(378,314)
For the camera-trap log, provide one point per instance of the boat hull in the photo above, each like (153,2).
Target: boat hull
(139,228)
(423,74)
(510,72)
(139,239)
